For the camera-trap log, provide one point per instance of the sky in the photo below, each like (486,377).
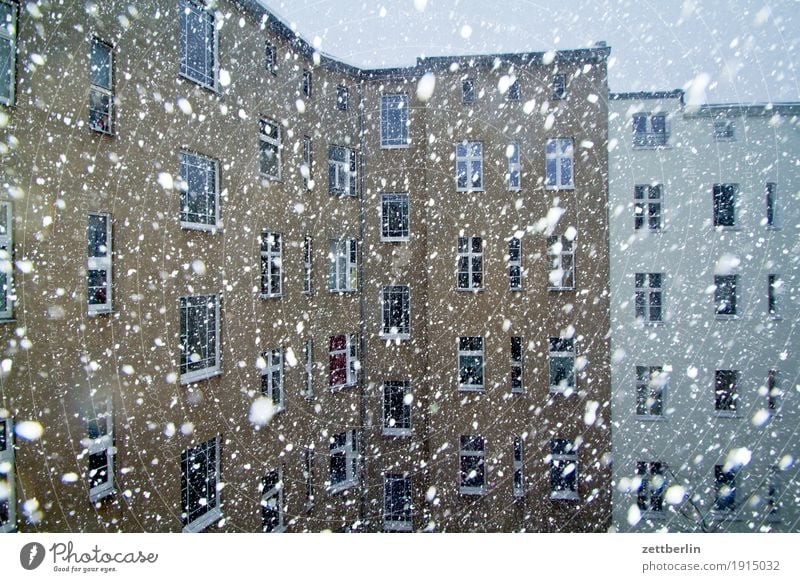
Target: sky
(747,50)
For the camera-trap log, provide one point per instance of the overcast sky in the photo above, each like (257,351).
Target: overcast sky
(747,49)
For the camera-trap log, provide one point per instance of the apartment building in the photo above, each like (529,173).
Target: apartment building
(248,287)
(703,214)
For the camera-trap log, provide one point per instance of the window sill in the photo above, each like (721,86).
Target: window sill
(99,131)
(404,146)
(515,189)
(650,418)
(462,388)
(773,227)
(517,391)
(7,320)
(397,526)
(269,177)
(104,311)
(199,83)
(339,487)
(564,496)
(652,147)
(395,336)
(468,190)
(557,289)
(395,239)
(279,529)
(472,491)
(271,296)
(397,432)
(651,514)
(558,188)
(212,228)
(342,291)
(558,390)
(774,317)
(723,228)
(203,521)
(101,492)
(199,376)
(726,414)
(724,317)
(475,290)
(515,289)
(338,387)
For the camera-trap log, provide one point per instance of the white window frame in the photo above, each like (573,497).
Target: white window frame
(392,520)
(468,94)
(518,474)
(559,87)
(308,264)
(562,353)
(342,97)
(7,259)
(394,426)
(651,392)
(775,290)
(648,204)
(717,210)
(467,155)
(561,250)
(308,84)
(101,263)
(270,57)
(771,195)
(273,495)
(556,461)
(344,172)
(649,493)
(8,34)
(649,297)
(308,368)
(350,352)
(517,366)
(342,265)
(211,513)
(101,92)
(515,264)
(389,293)
(271,264)
(727,396)
(726,307)
(514,177)
(350,451)
(102,445)
(395,203)
(464,453)
(214,368)
(7,462)
(272,384)
(558,152)
(395,138)
(466,254)
(466,353)
(194,162)
(308,162)
(269,143)
(199,77)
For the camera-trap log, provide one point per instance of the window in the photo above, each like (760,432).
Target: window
(397,503)
(725,204)
(307,169)
(8,498)
(468,90)
(394,121)
(98,273)
(343,265)
(307,84)
(519,477)
(198,44)
(649,297)
(469,166)
(471,464)
(561,258)
(396,312)
(101,96)
(774,292)
(344,460)
(200,493)
(8,51)
(651,384)
(513,93)
(650,129)
(726,392)
(199,337)
(308,287)
(470,363)
(724,130)
(273,512)
(271,264)
(342,97)
(309,368)
(6,260)
(394,218)
(774,392)
(515,264)
(270,58)
(772,497)
(470,263)
(772,201)
(647,206)
(199,188)
(308,476)
(517,385)
(342,173)
(514,168)
(100,448)
(342,361)
(725,489)
(563,470)
(652,485)
(397,400)
(270,152)
(272,377)
(559,87)
(558,164)
(725,291)
(562,365)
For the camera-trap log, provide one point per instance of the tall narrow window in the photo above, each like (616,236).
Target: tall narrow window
(561,259)
(470,263)
(308,287)
(562,365)
(199,336)
(514,92)
(394,218)
(558,164)
(198,44)
(647,206)
(307,78)
(343,265)
(468,90)
(725,204)
(397,408)
(308,475)
(101,96)
(271,264)
(725,294)
(342,98)
(273,513)
(649,297)
(342,361)
(8,497)
(471,464)
(396,312)
(725,489)
(307,169)
(726,392)
(470,363)
(517,385)
(772,204)
(519,476)
(394,121)
(397,503)
(514,177)
(342,171)
(774,293)
(343,460)
(272,377)
(199,192)
(270,58)
(774,392)
(98,274)
(563,470)
(559,87)
(469,166)
(651,384)
(270,150)
(8,51)
(309,368)
(6,260)
(652,485)
(200,492)
(100,448)
(515,264)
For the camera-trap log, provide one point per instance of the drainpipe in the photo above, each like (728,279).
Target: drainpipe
(362,403)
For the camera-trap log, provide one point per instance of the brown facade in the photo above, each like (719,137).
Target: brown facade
(66,363)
